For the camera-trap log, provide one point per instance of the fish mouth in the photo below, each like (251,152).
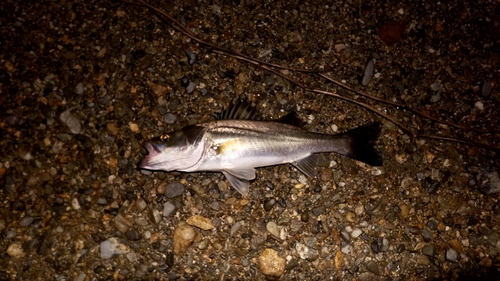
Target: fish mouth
(148,162)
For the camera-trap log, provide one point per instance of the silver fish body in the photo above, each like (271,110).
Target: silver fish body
(237,147)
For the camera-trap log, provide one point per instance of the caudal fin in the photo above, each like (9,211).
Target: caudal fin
(362,140)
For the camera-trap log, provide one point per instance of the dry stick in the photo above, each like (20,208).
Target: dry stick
(367,106)
(265,65)
(403,106)
(469,142)
(181,28)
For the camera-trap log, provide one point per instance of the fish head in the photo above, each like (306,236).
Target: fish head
(176,151)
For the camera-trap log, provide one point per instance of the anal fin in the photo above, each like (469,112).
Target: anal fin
(307,165)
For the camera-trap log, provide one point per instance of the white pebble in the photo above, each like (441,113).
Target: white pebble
(479,105)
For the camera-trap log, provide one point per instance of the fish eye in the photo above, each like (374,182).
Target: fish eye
(164,137)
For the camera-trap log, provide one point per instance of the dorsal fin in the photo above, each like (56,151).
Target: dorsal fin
(240,110)
(291,119)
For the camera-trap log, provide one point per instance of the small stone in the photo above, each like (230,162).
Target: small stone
(345,247)
(190,87)
(427,234)
(270,263)
(134,128)
(339,260)
(429,250)
(121,223)
(174,189)
(294,37)
(373,267)
(140,205)
(133,235)
(451,255)
(339,47)
(192,57)
(368,74)
(455,244)
(356,232)
(273,228)
(158,89)
(79,88)
(168,209)
(269,204)
(71,121)
(318,210)
(112,247)
(112,129)
(405,210)
(169,118)
(200,222)
(423,260)
(26,221)
(120,109)
(350,216)
(486,89)
(183,237)
(15,250)
(306,253)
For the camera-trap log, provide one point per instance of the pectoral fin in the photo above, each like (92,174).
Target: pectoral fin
(240,184)
(307,165)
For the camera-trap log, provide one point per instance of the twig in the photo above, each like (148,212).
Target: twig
(269,67)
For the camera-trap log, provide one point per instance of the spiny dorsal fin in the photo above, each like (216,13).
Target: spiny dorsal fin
(240,110)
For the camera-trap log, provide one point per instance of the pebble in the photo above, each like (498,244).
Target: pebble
(140,205)
(368,74)
(427,234)
(183,237)
(174,189)
(15,250)
(405,210)
(318,210)
(169,118)
(112,247)
(112,128)
(306,253)
(373,267)
(345,247)
(269,204)
(71,121)
(486,89)
(11,233)
(192,57)
(429,250)
(133,235)
(121,223)
(168,209)
(120,109)
(200,222)
(26,221)
(356,232)
(339,47)
(190,87)
(273,228)
(79,88)
(270,263)
(451,255)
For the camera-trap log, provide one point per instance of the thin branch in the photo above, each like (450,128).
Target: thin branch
(269,67)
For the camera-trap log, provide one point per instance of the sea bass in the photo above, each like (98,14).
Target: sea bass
(237,143)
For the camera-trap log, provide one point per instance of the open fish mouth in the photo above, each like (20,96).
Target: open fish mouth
(149,160)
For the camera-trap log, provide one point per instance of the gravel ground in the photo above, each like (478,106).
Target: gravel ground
(85,83)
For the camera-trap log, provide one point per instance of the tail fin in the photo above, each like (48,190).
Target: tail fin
(361,140)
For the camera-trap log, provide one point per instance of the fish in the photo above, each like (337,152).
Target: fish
(237,142)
